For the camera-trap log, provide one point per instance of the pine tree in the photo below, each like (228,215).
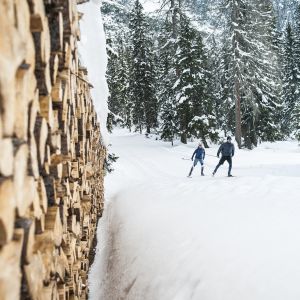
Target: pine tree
(166,78)
(123,78)
(295,106)
(255,70)
(290,80)
(268,85)
(142,77)
(194,104)
(114,104)
(222,87)
(117,79)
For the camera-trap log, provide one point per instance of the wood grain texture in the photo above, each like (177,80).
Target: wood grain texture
(51,162)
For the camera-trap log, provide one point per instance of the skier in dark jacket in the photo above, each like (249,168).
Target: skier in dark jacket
(227,150)
(199,154)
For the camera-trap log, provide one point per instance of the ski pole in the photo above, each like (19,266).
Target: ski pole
(211,155)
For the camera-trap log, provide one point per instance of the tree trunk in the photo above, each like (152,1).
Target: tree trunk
(205,143)
(238,123)
(183,138)
(237,92)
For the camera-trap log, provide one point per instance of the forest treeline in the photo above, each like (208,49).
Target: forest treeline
(169,74)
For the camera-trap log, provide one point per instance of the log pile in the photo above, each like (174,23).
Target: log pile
(51,156)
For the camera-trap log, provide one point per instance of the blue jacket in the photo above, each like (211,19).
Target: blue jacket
(200,153)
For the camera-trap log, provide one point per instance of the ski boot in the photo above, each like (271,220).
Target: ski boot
(190,174)
(202,171)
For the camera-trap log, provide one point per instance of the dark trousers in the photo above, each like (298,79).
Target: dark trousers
(221,162)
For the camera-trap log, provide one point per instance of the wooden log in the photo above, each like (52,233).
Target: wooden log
(50,292)
(66,143)
(55,143)
(1,133)
(47,159)
(42,195)
(59,158)
(10,60)
(62,292)
(44,244)
(57,91)
(28,226)
(46,109)
(53,223)
(41,135)
(34,274)
(40,224)
(36,210)
(26,197)
(67,169)
(42,70)
(6,157)
(75,170)
(34,109)
(20,174)
(23,95)
(56,171)
(62,266)
(10,256)
(33,165)
(7,210)
(54,66)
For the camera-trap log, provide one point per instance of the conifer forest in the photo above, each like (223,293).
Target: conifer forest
(202,69)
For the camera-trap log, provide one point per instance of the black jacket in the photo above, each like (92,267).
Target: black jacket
(227,149)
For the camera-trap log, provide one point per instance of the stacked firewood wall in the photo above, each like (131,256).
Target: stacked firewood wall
(51,156)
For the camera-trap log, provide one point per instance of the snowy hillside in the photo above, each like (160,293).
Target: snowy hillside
(168,237)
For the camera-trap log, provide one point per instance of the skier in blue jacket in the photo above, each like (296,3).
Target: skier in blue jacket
(199,154)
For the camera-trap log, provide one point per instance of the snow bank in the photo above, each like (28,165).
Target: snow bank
(92,49)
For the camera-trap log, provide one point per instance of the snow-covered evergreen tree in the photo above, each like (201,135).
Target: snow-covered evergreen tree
(117,78)
(166,78)
(290,79)
(193,102)
(114,105)
(141,83)
(294,105)
(253,70)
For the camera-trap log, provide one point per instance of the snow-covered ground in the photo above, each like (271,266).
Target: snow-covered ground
(164,236)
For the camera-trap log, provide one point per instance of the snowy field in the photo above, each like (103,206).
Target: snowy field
(164,236)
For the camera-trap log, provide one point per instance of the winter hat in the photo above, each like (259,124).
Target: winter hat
(228,138)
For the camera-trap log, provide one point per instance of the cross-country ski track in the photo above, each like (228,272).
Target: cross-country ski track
(164,236)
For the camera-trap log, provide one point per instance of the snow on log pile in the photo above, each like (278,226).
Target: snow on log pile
(51,156)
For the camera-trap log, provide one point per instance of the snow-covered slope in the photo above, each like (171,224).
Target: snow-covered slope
(168,237)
